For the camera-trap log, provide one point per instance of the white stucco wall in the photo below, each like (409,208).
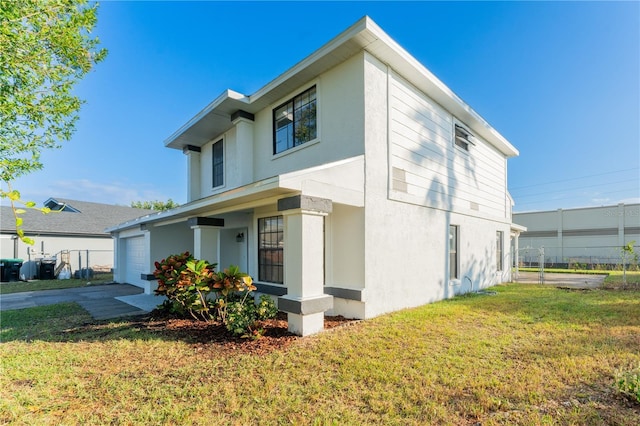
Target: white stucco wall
(406,239)
(340,126)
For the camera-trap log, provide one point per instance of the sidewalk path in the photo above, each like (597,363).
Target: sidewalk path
(99,300)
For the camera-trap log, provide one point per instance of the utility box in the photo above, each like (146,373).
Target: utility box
(47,269)
(10,269)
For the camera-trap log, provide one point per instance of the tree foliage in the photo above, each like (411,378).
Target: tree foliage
(46,47)
(155,205)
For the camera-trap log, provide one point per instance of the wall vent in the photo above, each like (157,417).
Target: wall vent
(399,179)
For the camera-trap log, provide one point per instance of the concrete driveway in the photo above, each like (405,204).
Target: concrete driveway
(101,301)
(563,280)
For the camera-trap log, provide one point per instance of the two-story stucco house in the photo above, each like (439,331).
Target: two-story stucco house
(356,183)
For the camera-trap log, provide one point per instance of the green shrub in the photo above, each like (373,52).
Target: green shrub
(185,282)
(188,283)
(244,316)
(628,383)
(266,308)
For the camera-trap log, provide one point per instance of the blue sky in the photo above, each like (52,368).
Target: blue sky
(561,81)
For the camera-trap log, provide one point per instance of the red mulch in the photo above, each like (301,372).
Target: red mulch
(213,336)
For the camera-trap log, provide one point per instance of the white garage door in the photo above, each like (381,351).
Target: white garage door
(134,263)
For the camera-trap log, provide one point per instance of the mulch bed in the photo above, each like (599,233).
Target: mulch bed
(214,337)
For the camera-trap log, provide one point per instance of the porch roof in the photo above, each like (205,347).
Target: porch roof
(238,199)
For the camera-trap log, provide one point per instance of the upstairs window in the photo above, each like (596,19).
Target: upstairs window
(294,122)
(218,164)
(463,138)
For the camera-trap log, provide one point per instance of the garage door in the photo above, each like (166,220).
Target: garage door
(134,262)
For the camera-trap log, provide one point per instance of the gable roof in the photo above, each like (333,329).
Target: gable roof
(80,218)
(366,35)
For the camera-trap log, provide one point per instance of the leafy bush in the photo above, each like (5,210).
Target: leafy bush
(243,318)
(188,283)
(227,284)
(266,308)
(629,383)
(185,282)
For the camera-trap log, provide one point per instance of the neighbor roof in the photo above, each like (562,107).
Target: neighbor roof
(366,35)
(88,219)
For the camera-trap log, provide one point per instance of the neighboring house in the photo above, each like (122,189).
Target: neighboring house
(76,228)
(590,235)
(355,183)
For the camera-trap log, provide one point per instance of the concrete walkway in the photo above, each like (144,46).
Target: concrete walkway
(101,301)
(563,280)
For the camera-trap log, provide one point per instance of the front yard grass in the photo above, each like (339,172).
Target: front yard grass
(527,355)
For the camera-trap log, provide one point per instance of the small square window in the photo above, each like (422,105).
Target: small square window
(462,138)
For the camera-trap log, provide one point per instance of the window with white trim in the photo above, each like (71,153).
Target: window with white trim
(294,122)
(454,260)
(271,249)
(462,138)
(499,249)
(217,158)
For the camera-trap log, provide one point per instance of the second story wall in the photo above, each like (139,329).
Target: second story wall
(427,167)
(248,152)
(340,121)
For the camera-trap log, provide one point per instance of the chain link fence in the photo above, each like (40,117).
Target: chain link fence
(589,258)
(85,264)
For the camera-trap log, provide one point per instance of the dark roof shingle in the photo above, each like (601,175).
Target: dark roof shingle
(91,219)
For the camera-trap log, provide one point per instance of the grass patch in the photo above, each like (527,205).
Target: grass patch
(526,355)
(616,279)
(37,285)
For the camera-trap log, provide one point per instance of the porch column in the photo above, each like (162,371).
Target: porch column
(206,238)
(244,144)
(305,301)
(193,171)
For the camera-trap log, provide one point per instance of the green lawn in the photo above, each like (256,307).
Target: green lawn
(527,355)
(35,285)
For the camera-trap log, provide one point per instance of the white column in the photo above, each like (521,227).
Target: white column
(244,147)
(118,258)
(206,244)
(193,172)
(305,301)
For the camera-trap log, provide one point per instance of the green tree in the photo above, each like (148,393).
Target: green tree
(46,47)
(627,254)
(155,205)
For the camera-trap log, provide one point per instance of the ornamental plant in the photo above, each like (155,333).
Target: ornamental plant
(188,284)
(628,383)
(229,283)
